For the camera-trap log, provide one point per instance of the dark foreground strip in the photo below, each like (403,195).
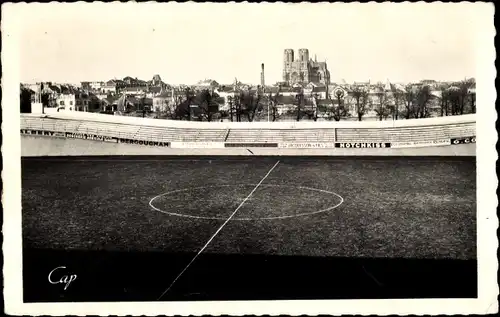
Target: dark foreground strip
(141,276)
(262,158)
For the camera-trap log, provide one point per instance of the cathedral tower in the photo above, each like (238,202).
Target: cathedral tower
(288,61)
(303,55)
(288,56)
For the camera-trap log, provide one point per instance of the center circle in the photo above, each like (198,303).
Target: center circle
(268,202)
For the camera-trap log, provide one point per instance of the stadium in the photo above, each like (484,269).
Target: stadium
(285,210)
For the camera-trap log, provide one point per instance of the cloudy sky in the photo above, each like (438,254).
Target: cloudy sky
(184,43)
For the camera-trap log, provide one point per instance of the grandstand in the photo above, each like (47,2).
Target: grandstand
(418,130)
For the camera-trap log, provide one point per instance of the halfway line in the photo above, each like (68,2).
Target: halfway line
(218,230)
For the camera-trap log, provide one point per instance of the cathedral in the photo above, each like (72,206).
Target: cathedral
(303,69)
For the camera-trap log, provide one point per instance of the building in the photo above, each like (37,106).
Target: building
(164,102)
(111,86)
(303,69)
(92,85)
(209,84)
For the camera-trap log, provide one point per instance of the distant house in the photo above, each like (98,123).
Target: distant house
(77,100)
(135,91)
(225,93)
(111,86)
(133,82)
(110,104)
(207,84)
(163,102)
(290,91)
(92,85)
(154,91)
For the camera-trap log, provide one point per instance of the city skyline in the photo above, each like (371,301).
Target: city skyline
(377,42)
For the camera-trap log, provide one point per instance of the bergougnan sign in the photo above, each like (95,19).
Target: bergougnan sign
(362,145)
(139,142)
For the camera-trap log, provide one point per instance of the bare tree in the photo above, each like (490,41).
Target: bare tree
(300,103)
(423,98)
(25,100)
(460,95)
(208,104)
(382,110)
(466,96)
(361,99)
(409,99)
(230,101)
(183,107)
(339,110)
(444,100)
(398,97)
(250,104)
(273,106)
(315,103)
(472,96)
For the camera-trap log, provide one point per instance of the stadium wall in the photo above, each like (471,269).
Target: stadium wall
(448,136)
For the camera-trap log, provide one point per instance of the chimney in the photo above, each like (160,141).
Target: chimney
(262,80)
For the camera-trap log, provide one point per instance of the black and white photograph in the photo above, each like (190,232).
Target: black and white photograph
(249,158)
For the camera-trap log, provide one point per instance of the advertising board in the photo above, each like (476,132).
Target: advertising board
(93,137)
(141,142)
(441,142)
(463,140)
(88,136)
(362,145)
(306,145)
(44,133)
(250,144)
(197,145)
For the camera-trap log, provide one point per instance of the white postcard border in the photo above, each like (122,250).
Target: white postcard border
(487,221)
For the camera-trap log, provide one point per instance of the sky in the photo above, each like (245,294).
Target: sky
(185,43)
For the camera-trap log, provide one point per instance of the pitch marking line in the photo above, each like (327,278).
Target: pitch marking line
(247,219)
(218,230)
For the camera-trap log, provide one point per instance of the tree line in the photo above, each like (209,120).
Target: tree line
(408,102)
(412,101)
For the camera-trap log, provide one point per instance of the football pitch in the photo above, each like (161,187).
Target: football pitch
(267,227)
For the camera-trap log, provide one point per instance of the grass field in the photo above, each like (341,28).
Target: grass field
(391,209)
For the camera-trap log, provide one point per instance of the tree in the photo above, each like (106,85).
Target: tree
(273,106)
(249,104)
(183,107)
(382,110)
(299,97)
(460,95)
(230,101)
(398,97)
(453,94)
(143,105)
(444,100)
(313,111)
(208,104)
(423,98)
(237,106)
(361,99)
(339,111)
(467,96)
(25,100)
(409,98)
(472,96)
